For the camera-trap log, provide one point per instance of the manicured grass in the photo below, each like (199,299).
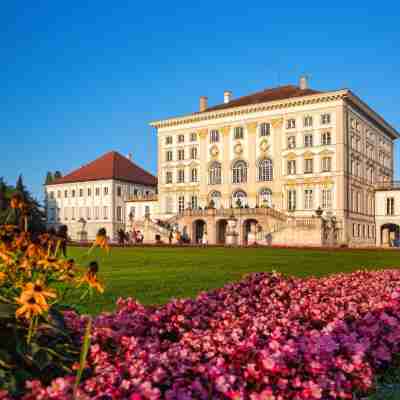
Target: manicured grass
(154,275)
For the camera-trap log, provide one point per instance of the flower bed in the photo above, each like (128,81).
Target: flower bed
(267,337)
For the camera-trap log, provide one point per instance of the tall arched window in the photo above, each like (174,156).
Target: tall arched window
(265,172)
(239,172)
(214,173)
(265,197)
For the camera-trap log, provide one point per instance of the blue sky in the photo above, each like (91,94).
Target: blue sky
(77,80)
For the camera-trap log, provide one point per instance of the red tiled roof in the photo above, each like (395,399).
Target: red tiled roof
(111,165)
(278,93)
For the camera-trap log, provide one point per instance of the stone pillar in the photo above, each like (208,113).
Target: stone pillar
(202,134)
(251,154)
(278,143)
(226,166)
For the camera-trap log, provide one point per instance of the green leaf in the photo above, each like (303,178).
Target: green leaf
(84,353)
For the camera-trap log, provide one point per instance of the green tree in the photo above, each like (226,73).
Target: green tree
(49,178)
(37,216)
(57,175)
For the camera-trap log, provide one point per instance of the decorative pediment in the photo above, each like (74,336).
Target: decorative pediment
(291,183)
(251,127)
(291,156)
(277,122)
(327,181)
(310,181)
(326,153)
(308,154)
(202,133)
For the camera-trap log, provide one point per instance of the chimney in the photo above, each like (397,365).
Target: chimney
(303,82)
(129,156)
(203,103)
(227,96)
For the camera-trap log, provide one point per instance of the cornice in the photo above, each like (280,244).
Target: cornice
(248,109)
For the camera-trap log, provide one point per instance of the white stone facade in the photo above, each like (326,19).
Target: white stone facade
(325,150)
(100,204)
(387,215)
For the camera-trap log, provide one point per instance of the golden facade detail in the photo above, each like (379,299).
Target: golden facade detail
(277,122)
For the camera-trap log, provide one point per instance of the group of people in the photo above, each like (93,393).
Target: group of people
(126,238)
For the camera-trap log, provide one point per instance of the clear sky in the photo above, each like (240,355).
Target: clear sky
(79,78)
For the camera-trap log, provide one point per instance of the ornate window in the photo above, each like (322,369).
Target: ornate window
(291,198)
(214,136)
(390,206)
(291,142)
(193,202)
(326,164)
(325,119)
(214,173)
(326,198)
(308,140)
(238,132)
(168,140)
(239,198)
(265,197)
(168,155)
(326,138)
(181,176)
(308,122)
(168,177)
(193,175)
(308,166)
(239,172)
(291,123)
(291,167)
(181,138)
(308,199)
(215,197)
(181,154)
(265,129)
(193,153)
(265,171)
(193,137)
(181,203)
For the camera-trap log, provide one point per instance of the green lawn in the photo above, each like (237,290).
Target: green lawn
(154,275)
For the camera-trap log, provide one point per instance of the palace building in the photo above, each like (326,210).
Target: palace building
(287,166)
(94,196)
(291,149)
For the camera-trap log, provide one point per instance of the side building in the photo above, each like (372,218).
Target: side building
(94,196)
(291,148)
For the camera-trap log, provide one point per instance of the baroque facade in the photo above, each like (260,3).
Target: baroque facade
(291,149)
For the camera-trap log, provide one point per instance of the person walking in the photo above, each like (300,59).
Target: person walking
(204,239)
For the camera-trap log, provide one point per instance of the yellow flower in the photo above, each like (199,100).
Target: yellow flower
(101,240)
(7,258)
(38,292)
(30,307)
(34,250)
(91,278)
(49,262)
